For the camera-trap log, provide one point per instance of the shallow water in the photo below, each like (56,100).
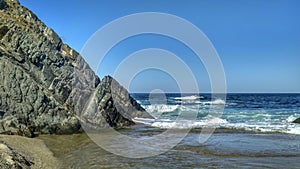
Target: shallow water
(221,150)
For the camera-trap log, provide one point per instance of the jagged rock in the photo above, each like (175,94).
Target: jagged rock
(11,159)
(112,102)
(47,87)
(297,120)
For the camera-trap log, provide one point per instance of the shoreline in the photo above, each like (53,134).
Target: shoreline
(78,150)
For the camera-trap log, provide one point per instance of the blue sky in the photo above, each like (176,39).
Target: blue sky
(257,41)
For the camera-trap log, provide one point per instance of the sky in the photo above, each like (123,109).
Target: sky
(258,41)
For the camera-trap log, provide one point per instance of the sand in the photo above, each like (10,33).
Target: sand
(33,149)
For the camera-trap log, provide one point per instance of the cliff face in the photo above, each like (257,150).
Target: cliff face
(47,87)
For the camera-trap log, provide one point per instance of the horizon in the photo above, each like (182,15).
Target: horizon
(257,42)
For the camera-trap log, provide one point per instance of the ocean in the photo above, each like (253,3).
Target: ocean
(250,112)
(253,131)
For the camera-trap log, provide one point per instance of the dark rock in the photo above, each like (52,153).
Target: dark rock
(3,31)
(47,87)
(2,113)
(3,5)
(111,106)
(297,120)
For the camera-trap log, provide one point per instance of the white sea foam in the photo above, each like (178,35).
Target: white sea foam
(215,102)
(139,102)
(294,130)
(192,97)
(160,108)
(217,120)
(143,120)
(186,124)
(265,127)
(291,118)
(180,124)
(221,123)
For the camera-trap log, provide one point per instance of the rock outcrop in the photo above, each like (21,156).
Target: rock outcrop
(297,120)
(47,87)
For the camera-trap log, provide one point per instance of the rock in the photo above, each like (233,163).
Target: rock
(3,5)
(111,106)
(47,87)
(297,120)
(11,159)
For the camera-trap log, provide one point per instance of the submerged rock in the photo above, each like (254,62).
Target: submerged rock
(297,120)
(47,87)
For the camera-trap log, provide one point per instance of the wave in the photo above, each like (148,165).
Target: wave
(263,127)
(294,130)
(215,102)
(192,97)
(179,124)
(143,120)
(160,108)
(291,118)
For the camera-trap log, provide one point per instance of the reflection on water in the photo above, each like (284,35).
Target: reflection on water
(222,150)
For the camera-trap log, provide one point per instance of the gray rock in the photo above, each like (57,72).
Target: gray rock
(11,159)
(111,105)
(47,87)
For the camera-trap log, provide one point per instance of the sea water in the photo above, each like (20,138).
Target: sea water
(254,131)
(252,112)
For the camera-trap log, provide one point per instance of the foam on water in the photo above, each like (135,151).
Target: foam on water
(294,130)
(215,102)
(252,112)
(180,124)
(192,97)
(221,123)
(160,108)
(291,118)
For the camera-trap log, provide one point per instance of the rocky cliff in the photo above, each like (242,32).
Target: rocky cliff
(47,87)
